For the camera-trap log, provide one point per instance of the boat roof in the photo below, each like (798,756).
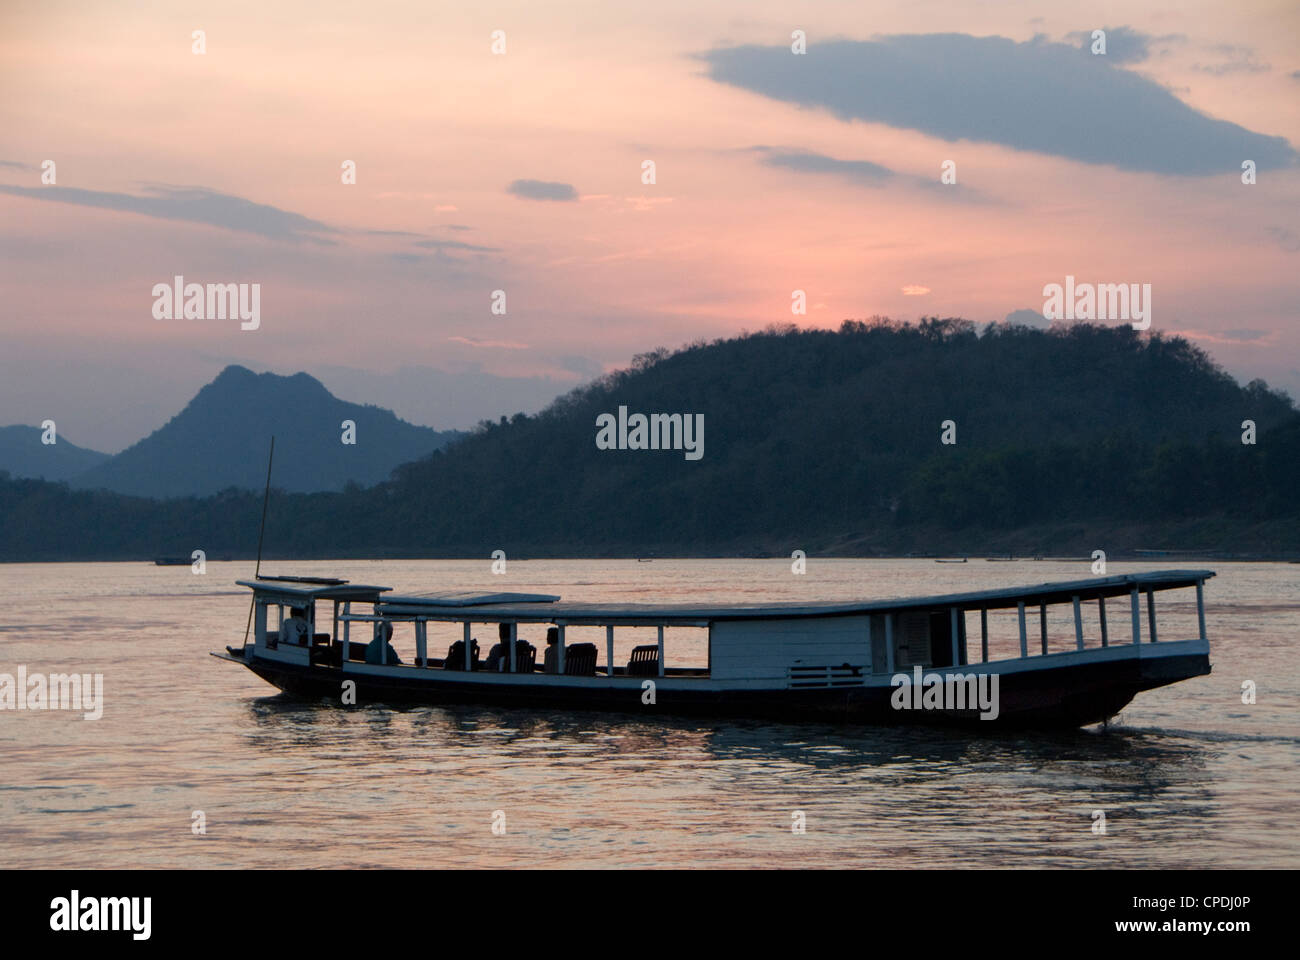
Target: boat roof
(466,598)
(314,588)
(542,608)
(322,581)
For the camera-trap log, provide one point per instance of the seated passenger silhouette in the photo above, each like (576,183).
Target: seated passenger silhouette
(294,628)
(550,662)
(456,656)
(379,650)
(498,658)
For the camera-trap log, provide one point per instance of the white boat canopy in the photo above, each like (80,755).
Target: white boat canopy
(305,589)
(466,598)
(542,608)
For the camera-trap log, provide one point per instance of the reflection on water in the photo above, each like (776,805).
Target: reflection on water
(1189,776)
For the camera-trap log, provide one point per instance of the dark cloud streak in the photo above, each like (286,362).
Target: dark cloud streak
(860,170)
(542,190)
(1036,96)
(864,173)
(191,205)
(1123,44)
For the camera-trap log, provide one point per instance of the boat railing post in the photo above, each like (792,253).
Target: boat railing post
(984,634)
(956,642)
(559,653)
(1078,625)
(1042,625)
(468,641)
(347,628)
(1137,616)
(514,633)
(889,643)
(422,642)
(1024,637)
(1151,614)
(1101,613)
(1200,607)
(661,649)
(609,649)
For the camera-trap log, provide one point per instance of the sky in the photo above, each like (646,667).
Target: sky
(524,171)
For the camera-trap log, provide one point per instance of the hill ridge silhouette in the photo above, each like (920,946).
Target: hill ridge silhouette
(829,441)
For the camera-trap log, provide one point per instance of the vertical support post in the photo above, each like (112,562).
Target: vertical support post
(1137,617)
(1101,612)
(1042,625)
(1024,639)
(422,642)
(514,634)
(335,634)
(559,651)
(468,641)
(984,634)
(956,641)
(1200,607)
(889,643)
(1078,625)
(609,649)
(661,650)
(347,629)
(1151,614)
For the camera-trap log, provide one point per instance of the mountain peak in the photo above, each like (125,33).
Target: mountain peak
(218,441)
(234,373)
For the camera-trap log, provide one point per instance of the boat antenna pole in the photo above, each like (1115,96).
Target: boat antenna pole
(257,572)
(265,497)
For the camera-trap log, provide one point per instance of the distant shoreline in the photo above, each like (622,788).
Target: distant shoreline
(1178,558)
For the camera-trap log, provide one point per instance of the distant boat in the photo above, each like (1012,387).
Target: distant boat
(833,661)
(172,561)
(962,560)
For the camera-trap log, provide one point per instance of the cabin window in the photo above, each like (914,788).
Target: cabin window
(879,658)
(913,640)
(259,623)
(267,628)
(940,639)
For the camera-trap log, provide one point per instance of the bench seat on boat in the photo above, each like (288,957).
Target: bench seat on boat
(644,661)
(579,660)
(525,658)
(333,654)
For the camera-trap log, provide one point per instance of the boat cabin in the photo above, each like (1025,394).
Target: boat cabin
(311,621)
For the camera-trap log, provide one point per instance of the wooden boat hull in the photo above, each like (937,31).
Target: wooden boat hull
(1043,695)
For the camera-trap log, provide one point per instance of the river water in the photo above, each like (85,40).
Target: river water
(1188,776)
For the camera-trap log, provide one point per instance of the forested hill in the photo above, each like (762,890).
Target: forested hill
(824,441)
(834,437)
